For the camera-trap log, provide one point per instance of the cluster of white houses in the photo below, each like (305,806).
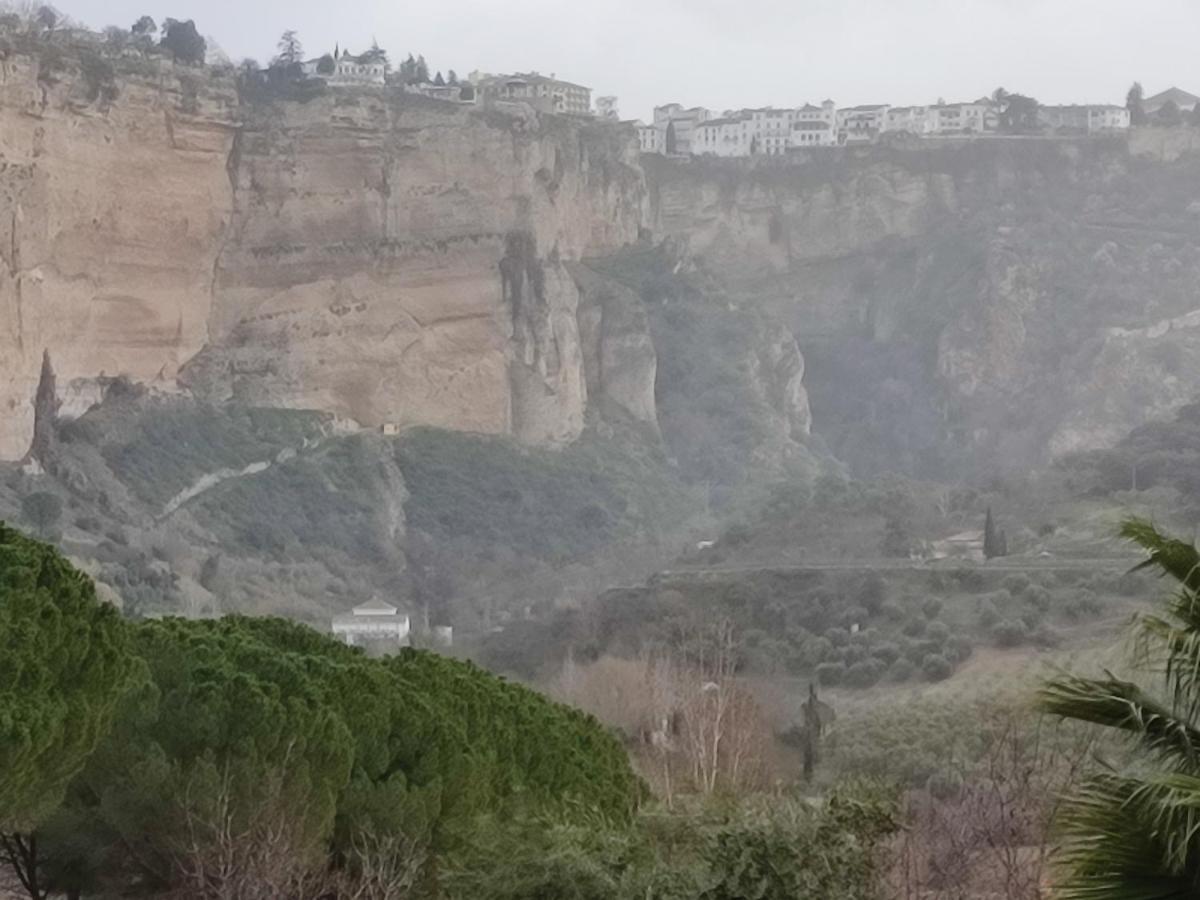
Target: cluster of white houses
(697,131)
(545,93)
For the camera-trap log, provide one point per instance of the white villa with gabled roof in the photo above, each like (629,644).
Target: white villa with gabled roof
(375,620)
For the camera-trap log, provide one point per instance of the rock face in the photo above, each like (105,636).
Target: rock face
(397,260)
(620,361)
(386,258)
(112,217)
(978,308)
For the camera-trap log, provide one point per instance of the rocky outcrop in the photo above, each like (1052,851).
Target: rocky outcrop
(380,256)
(620,361)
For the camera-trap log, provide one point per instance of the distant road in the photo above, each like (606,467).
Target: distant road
(1012,564)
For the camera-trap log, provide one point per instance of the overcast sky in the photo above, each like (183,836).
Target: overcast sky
(733,53)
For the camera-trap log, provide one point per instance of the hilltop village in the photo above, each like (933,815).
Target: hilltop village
(679,131)
(674,130)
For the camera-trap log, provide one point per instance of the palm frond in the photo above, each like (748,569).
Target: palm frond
(1173,557)
(1174,653)
(1124,706)
(1127,839)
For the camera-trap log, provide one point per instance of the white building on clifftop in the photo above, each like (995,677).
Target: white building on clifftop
(374,620)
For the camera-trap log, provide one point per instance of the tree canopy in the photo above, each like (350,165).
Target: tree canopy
(183,41)
(64,665)
(186,748)
(290,49)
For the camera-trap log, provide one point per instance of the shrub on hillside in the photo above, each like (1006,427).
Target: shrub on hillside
(830,673)
(938,631)
(988,614)
(936,668)
(886,652)
(901,670)
(1010,633)
(865,673)
(914,627)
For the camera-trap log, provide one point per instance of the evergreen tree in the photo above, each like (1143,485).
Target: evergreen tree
(422,71)
(452,78)
(64,666)
(1018,113)
(1170,115)
(991,538)
(408,70)
(183,42)
(45,413)
(439,80)
(377,55)
(1133,102)
(291,51)
(670,139)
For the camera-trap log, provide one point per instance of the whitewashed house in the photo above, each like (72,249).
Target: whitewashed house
(374,620)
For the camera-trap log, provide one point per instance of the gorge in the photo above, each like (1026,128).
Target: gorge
(303,269)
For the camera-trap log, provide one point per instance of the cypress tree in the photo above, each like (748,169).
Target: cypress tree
(991,538)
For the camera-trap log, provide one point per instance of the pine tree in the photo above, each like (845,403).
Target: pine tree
(408,70)
(452,78)
(65,666)
(290,49)
(422,73)
(439,80)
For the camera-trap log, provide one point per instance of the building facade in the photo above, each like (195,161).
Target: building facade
(814,126)
(861,124)
(650,138)
(348,70)
(916,120)
(677,125)
(372,621)
(1085,119)
(543,93)
(964,118)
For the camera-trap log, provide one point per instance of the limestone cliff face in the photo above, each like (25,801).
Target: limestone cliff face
(992,305)
(385,258)
(112,217)
(393,259)
(620,360)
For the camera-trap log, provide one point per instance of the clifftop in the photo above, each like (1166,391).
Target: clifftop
(342,253)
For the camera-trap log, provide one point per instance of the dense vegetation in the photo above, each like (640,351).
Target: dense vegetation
(64,663)
(260,729)
(245,758)
(1163,455)
(849,629)
(551,505)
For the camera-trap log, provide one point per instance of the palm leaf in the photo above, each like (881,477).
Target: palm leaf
(1173,557)
(1124,706)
